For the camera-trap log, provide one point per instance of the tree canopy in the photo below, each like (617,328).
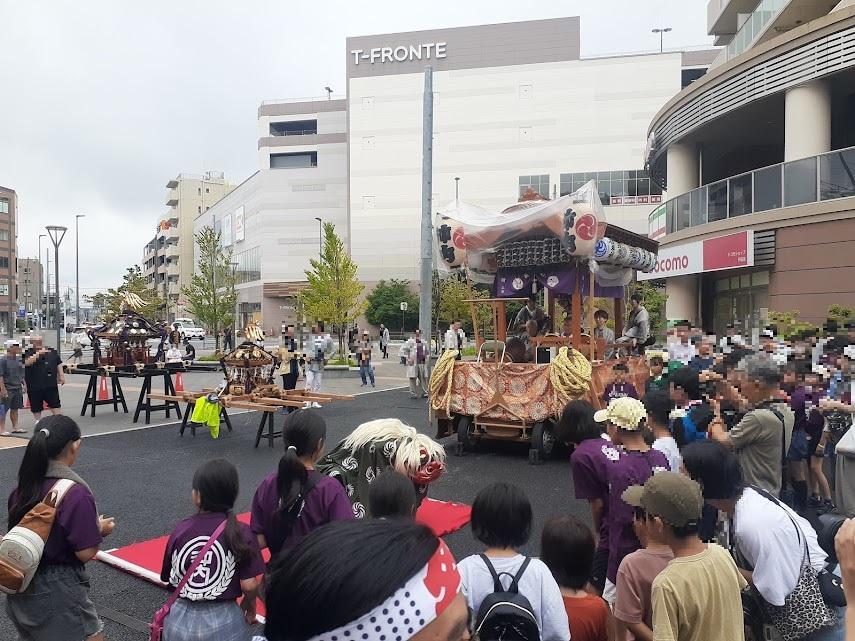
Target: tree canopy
(108,304)
(333,291)
(211,295)
(384,305)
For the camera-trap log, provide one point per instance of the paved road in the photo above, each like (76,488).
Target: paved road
(143,479)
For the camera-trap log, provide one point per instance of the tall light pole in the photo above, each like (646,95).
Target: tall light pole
(56,233)
(456,188)
(661,32)
(41,275)
(329,93)
(234,309)
(77,267)
(320,236)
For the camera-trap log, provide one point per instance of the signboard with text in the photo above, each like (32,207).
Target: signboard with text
(732,251)
(239,224)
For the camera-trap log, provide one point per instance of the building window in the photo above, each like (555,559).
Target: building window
(294,161)
(4,234)
(630,187)
(199,209)
(199,191)
(688,76)
(294,128)
(4,261)
(207,190)
(248,265)
(4,290)
(540,184)
(4,206)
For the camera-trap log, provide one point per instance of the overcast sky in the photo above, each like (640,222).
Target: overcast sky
(103,101)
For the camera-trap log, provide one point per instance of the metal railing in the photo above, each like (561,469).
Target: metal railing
(828,176)
(751,29)
(294,132)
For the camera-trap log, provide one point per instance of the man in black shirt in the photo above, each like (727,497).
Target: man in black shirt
(42,373)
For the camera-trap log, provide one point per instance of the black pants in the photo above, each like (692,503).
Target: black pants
(289,381)
(385,350)
(598,572)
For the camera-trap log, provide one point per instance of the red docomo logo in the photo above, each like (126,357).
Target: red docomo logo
(672,264)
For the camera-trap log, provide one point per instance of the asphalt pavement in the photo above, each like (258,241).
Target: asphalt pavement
(143,477)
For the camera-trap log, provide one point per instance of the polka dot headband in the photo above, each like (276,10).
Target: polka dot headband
(410,609)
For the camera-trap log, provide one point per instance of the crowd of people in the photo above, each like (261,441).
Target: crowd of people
(708,488)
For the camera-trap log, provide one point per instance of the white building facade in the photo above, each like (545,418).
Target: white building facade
(514,107)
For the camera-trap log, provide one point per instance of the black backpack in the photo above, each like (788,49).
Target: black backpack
(506,615)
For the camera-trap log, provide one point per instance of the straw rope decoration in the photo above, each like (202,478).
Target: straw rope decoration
(570,374)
(441,379)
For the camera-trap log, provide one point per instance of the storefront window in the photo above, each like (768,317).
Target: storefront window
(742,299)
(800,182)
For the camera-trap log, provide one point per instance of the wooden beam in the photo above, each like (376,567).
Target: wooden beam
(576,306)
(591,323)
(618,317)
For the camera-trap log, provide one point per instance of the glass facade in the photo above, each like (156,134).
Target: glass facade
(540,184)
(754,26)
(4,206)
(629,187)
(293,161)
(248,265)
(808,180)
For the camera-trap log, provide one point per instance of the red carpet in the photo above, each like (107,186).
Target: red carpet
(144,559)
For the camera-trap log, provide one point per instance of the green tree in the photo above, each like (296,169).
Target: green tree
(333,291)
(384,305)
(450,296)
(109,304)
(653,299)
(211,294)
(788,324)
(841,313)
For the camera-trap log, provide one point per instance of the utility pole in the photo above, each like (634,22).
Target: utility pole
(77,268)
(427,190)
(41,276)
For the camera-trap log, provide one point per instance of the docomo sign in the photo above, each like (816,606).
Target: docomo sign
(400,53)
(713,254)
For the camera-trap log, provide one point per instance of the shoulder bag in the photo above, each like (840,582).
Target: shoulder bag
(804,610)
(156,625)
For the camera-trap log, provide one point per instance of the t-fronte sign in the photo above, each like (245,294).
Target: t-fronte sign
(401,53)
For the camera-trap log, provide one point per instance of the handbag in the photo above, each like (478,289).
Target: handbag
(804,610)
(156,625)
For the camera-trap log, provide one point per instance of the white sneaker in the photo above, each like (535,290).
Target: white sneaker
(316,406)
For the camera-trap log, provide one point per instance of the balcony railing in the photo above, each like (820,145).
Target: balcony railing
(828,176)
(295,132)
(753,26)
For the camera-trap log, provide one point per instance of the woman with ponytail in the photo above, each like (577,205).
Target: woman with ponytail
(296,499)
(207,607)
(56,605)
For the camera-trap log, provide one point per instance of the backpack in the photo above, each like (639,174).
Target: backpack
(22,548)
(506,615)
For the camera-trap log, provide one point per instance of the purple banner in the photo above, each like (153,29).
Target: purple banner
(515,282)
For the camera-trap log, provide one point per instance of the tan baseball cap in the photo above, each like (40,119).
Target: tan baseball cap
(625,412)
(673,497)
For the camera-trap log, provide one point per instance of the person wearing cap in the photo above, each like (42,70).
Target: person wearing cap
(635,463)
(11,386)
(770,540)
(697,597)
(363,351)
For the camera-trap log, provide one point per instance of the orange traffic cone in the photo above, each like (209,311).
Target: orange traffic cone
(102,389)
(179,382)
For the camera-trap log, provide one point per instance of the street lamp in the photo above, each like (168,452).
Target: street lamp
(329,93)
(77,268)
(456,188)
(320,236)
(661,32)
(56,233)
(234,310)
(41,275)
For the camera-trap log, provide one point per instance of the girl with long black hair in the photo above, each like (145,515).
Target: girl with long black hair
(207,607)
(56,605)
(296,499)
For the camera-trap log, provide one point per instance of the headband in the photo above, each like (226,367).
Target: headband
(411,608)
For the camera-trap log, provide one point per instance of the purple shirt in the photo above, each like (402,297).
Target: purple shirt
(590,461)
(630,468)
(618,390)
(805,406)
(326,502)
(75,527)
(218,576)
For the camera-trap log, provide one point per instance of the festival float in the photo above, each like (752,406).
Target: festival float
(565,248)
(248,384)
